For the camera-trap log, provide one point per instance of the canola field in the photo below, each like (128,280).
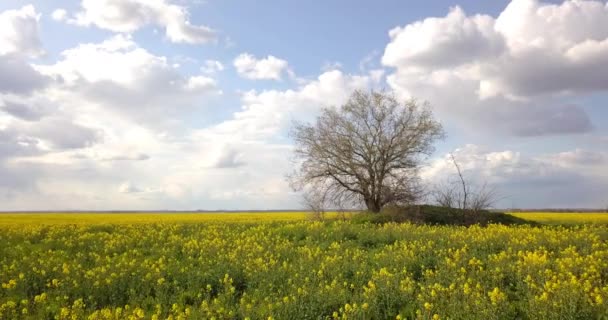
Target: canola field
(283,266)
(565,217)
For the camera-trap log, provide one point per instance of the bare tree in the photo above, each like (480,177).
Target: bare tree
(464,195)
(465,190)
(484,198)
(446,195)
(367,151)
(316,201)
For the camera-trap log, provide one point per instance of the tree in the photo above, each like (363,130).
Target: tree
(316,202)
(464,195)
(366,152)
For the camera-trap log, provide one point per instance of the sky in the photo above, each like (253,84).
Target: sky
(186,105)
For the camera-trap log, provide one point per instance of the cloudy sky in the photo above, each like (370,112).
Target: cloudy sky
(176,104)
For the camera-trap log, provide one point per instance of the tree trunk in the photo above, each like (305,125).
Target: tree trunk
(372,206)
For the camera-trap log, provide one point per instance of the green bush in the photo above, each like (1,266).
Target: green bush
(434,215)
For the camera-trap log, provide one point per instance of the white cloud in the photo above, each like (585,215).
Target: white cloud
(127,157)
(22,110)
(61,133)
(227,157)
(119,76)
(443,42)
(19,32)
(19,40)
(200,84)
(331,65)
(511,72)
(18,77)
(59,14)
(567,44)
(453,93)
(226,165)
(130,15)
(531,48)
(105,108)
(250,67)
(266,113)
(119,58)
(369,61)
(212,67)
(129,187)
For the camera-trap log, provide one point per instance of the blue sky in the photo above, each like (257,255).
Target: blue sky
(185,104)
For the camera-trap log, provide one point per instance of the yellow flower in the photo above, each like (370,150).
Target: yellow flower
(139,312)
(496,296)
(64,312)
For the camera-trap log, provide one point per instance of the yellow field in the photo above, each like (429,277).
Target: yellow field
(564,218)
(282,266)
(85,218)
(136,218)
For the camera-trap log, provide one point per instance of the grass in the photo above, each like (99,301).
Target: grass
(434,215)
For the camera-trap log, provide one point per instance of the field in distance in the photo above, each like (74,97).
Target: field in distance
(564,217)
(146,217)
(194,217)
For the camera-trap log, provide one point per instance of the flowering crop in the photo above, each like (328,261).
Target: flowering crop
(565,217)
(186,267)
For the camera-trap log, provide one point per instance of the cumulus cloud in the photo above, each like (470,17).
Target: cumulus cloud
(59,14)
(104,108)
(561,119)
(227,164)
(129,187)
(228,158)
(212,66)
(270,68)
(19,40)
(19,32)
(23,111)
(453,95)
(118,75)
(531,48)
(18,77)
(58,133)
(512,71)
(127,157)
(443,42)
(267,113)
(130,15)
(13,143)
